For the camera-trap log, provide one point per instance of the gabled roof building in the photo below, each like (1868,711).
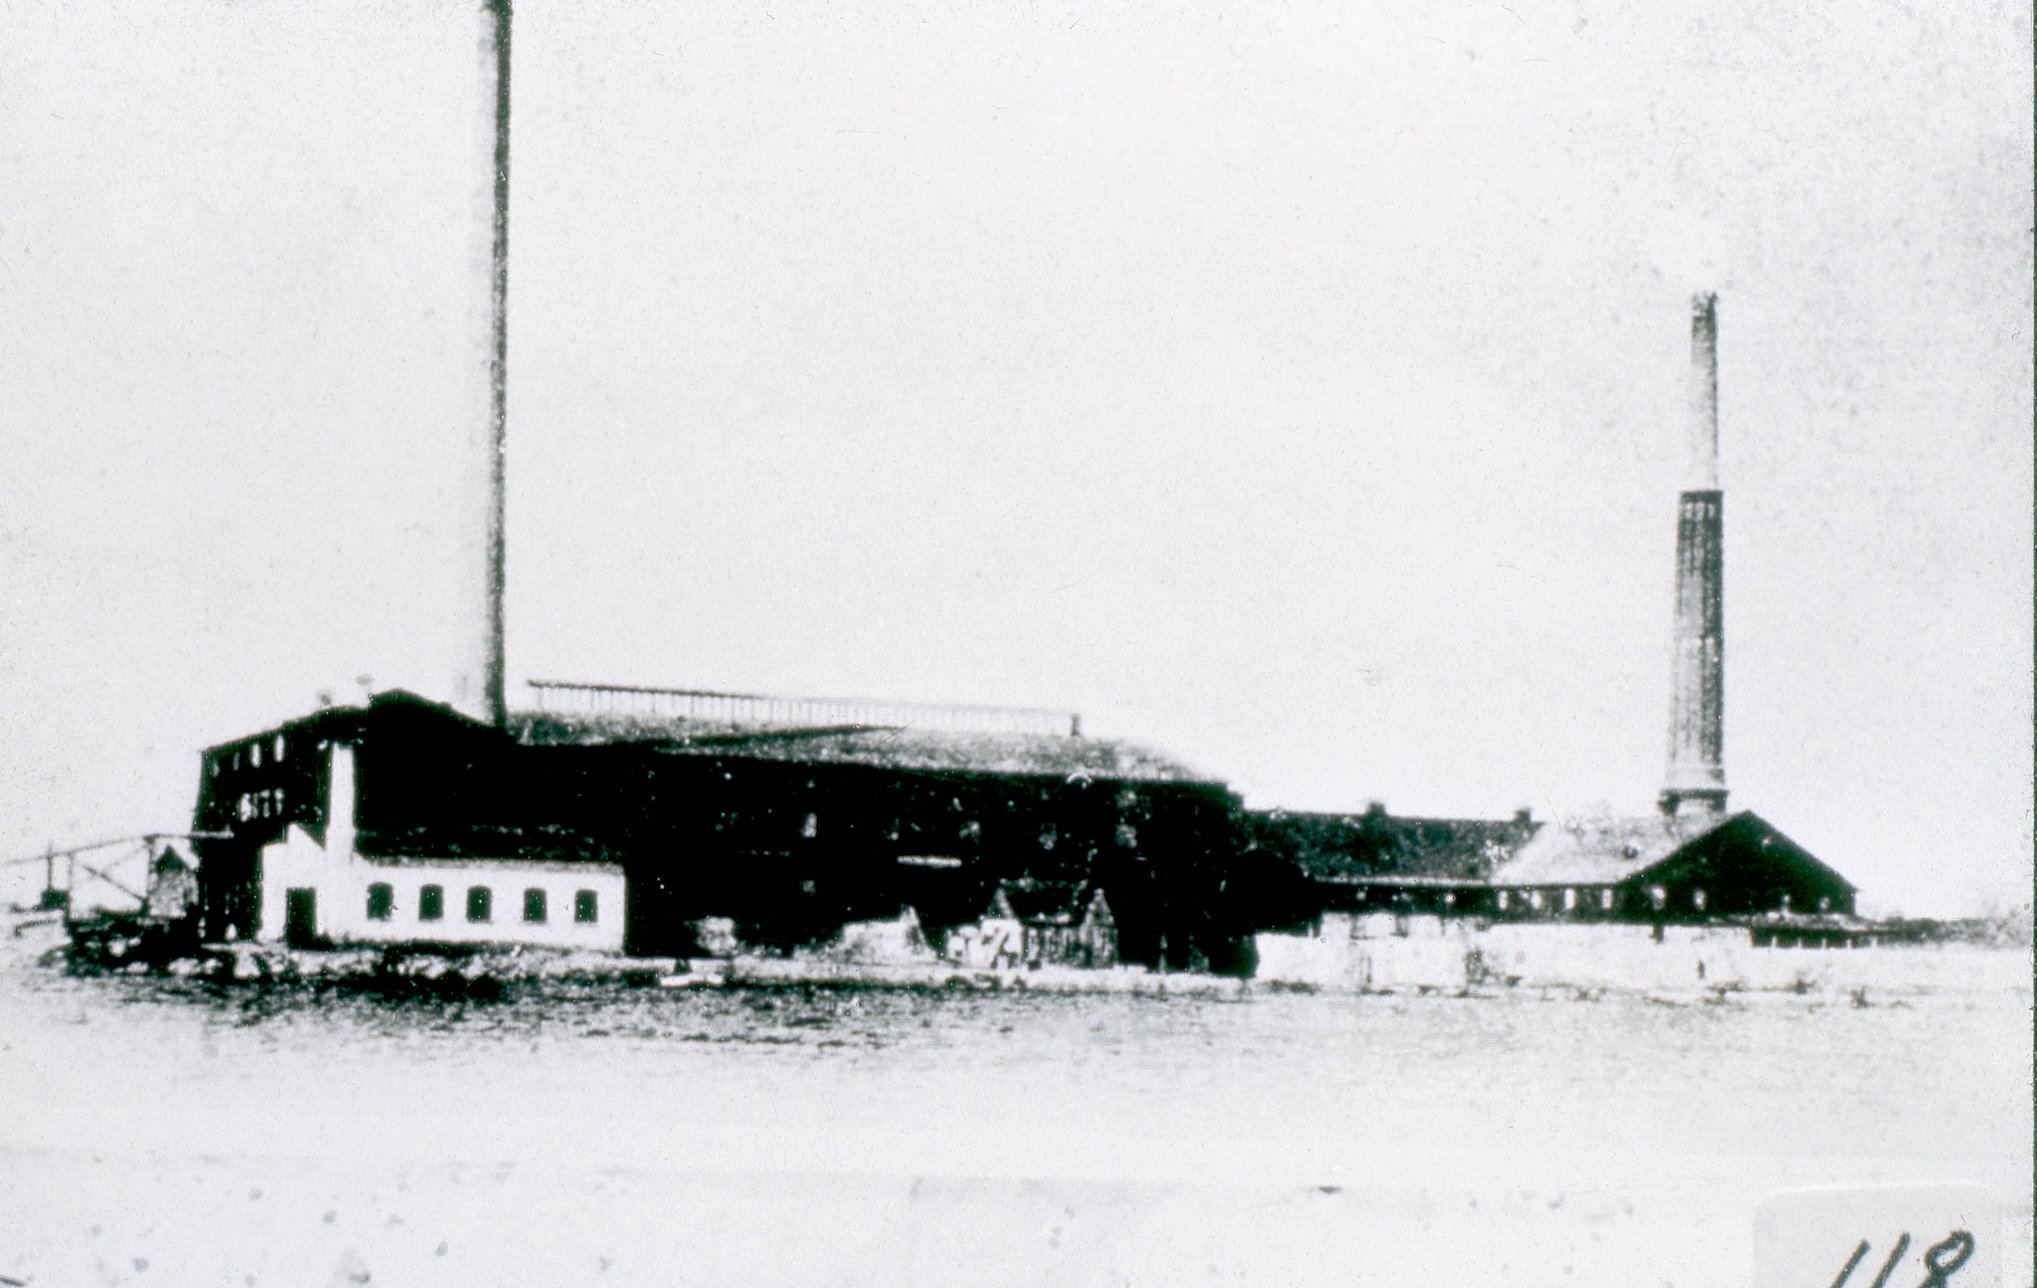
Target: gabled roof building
(1691,860)
(1652,868)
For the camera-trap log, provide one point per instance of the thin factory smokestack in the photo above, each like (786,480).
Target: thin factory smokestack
(478,504)
(498,370)
(1697,774)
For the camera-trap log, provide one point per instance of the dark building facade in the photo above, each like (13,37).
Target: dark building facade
(1312,863)
(789,833)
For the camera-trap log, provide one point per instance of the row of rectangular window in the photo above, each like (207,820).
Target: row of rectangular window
(1658,897)
(1605,900)
(431,904)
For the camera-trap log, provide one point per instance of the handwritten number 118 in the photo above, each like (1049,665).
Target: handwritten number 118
(1940,1260)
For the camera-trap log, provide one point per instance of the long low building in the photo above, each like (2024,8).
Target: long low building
(403,821)
(1659,868)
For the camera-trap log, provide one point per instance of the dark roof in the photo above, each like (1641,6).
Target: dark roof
(348,723)
(1032,755)
(1375,845)
(888,747)
(1747,841)
(546,842)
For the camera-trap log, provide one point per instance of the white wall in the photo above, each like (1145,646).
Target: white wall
(1699,957)
(1349,952)
(341,877)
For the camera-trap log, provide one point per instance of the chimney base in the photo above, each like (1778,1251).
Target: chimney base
(1691,802)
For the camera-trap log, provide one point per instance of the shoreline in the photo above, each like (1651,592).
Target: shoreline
(484,973)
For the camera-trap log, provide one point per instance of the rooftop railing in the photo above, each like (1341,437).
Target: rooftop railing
(765,711)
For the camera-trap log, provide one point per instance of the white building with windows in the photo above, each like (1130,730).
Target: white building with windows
(331,893)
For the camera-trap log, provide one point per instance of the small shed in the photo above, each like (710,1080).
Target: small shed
(173,887)
(995,941)
(1041,924)
(1065,925)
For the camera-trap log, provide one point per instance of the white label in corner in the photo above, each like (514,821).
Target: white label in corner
(1879,1236)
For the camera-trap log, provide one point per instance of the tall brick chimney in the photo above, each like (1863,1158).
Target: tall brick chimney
(1697,775)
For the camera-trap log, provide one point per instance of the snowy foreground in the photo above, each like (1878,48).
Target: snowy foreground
(571,1129)
(1346,956)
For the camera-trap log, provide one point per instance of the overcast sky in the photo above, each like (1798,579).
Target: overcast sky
(1294,387)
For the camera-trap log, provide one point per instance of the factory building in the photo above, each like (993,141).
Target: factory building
(1690,861)
(626,817)
(1668,868)
(406,821)
(1659,868)
(623,818)
(1375,860)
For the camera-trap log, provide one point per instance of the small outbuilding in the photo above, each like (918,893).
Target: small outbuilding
(1040,924)
(173,888)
